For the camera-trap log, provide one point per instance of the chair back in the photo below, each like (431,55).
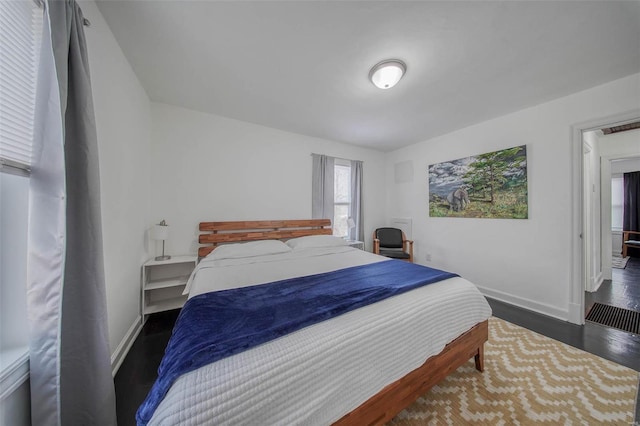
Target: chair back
(390,237)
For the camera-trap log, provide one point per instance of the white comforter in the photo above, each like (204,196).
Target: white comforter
(316,375)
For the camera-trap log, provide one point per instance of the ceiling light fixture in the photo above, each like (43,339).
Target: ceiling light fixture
(387,74)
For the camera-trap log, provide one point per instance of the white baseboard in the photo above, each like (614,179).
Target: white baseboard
(595,283)
(125,344)
(576,314)
(531,305)
(15,372)
(598,282)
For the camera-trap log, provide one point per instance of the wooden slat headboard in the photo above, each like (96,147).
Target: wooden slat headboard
(231,232)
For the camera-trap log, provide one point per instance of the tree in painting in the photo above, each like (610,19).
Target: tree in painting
(491,185)
(491,171)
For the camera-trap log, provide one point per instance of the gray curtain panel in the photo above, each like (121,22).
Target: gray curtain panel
(322,187)
(631,212)
(46,241)
(356,233)
(72,383)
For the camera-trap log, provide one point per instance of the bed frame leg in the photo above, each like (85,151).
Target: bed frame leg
(479,357)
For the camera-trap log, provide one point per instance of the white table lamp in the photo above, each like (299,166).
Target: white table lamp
(161,232)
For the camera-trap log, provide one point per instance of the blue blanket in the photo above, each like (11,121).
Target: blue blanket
(215,325)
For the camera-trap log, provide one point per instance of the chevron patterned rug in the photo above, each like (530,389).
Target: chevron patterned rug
(529,379)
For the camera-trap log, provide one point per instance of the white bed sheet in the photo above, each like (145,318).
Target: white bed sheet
(214,275)
(316,375)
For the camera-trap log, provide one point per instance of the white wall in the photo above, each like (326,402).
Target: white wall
(210,168)
(620,167)
(524,262)
(620,145)
(123,122)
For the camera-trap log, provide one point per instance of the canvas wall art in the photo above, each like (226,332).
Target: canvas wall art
(491,185)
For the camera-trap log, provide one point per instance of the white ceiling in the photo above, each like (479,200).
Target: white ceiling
(302,66)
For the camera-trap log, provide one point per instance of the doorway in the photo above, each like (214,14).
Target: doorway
(576,308)
(608,279)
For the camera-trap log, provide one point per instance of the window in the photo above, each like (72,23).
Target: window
(336,194)
(341,197)
(617,202)
(20,35)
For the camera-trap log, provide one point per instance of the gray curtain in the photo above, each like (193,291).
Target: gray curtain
(70,356)
(356,233)
(322,187)
(631,212)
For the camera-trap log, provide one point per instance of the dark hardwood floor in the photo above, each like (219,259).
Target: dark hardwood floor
(138,371)
(623,290)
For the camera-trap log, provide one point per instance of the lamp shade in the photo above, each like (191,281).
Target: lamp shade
(351,223)
(160,232)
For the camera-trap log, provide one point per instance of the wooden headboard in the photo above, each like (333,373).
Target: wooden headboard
(215,233)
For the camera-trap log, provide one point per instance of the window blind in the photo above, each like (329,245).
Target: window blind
(20,35)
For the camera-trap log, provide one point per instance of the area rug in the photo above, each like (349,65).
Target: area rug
(529,379)
(619,262)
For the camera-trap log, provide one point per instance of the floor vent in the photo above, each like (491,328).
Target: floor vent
(611,316)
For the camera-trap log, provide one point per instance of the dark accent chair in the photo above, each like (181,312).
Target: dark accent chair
(391,242)
(629,242)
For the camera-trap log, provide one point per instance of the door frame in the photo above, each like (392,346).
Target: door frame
(587,216)
(577,286)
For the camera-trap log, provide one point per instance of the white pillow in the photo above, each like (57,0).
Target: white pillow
(250,249)
(316,241)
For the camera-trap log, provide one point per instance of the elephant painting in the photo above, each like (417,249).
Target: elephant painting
(458,199)
(495,181)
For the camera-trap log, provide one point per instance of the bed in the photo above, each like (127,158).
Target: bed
(360,367)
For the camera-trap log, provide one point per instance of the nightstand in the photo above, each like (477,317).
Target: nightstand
(356,244)
(163,282)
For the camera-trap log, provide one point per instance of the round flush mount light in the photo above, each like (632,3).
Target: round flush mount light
(387,74)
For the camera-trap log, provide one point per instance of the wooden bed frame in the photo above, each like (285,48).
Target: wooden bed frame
(398,395)
(242,231)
